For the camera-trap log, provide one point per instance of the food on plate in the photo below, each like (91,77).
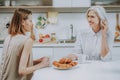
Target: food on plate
(40,40)
(44,38)
(47,36)
(64,63)
(56,63)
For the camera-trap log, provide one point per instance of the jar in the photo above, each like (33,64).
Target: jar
(13,2)
(7,3)
(53,37)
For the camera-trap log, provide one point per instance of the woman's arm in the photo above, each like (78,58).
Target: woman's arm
(104,47)
(23,68)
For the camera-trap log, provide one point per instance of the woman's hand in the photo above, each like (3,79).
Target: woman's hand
(104,27)
(37,61)
(44,62)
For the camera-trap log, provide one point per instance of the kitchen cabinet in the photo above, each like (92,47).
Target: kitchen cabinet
(109,9)
(0,53)
(51,52)
(43,9)
(116,53)
(55,51)
(40,52)
(72,7)
(61,52)
(71,3)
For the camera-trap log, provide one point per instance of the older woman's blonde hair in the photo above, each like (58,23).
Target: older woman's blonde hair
(16,26)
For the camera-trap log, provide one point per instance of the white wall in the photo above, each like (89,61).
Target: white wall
(65,19)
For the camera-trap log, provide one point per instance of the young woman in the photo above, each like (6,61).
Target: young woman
(17,62)
(95,43)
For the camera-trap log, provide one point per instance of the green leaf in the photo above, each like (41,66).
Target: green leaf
(40,18)
(39,23)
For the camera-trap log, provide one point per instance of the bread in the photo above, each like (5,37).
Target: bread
(64,63)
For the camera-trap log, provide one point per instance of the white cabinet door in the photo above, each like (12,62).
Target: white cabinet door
(0,53)
(116,53)
(62,3)
(61,52)
(81,3)
(40,52)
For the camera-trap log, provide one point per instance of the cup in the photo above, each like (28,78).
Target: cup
(50,59)
(81,58)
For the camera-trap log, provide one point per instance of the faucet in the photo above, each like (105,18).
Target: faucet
(71,31)
(73,37)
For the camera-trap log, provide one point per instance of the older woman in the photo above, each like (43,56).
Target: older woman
(95,43)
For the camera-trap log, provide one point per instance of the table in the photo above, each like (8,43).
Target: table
(93,70)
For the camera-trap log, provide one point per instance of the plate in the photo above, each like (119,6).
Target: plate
(65,68)
(61,68)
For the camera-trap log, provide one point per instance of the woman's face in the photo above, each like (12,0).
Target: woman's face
(28,24)
(93,20)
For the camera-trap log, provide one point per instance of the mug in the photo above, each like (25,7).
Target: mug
(50,59)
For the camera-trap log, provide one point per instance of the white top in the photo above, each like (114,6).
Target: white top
(89,43)
(96,70)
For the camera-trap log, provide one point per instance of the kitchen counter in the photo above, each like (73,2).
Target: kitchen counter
(54,45)
(49,45)
(59,45)
(95,70)
(116,44)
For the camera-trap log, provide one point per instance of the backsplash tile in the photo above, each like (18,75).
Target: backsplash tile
(61,28)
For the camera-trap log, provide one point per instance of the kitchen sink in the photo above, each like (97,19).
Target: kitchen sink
(1,41)
(67,41)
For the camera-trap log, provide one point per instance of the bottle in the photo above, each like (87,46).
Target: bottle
(71,31)
(117,22)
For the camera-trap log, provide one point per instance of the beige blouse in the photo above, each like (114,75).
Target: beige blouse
(12,50)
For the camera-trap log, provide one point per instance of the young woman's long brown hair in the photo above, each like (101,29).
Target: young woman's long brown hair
(16,26)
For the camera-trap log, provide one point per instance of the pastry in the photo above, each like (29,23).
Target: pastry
(64,63)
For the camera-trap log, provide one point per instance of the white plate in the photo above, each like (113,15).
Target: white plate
(76,66)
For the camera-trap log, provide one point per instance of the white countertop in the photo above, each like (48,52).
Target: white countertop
(97,70)
(54,45)
(59,45)
(116,44)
